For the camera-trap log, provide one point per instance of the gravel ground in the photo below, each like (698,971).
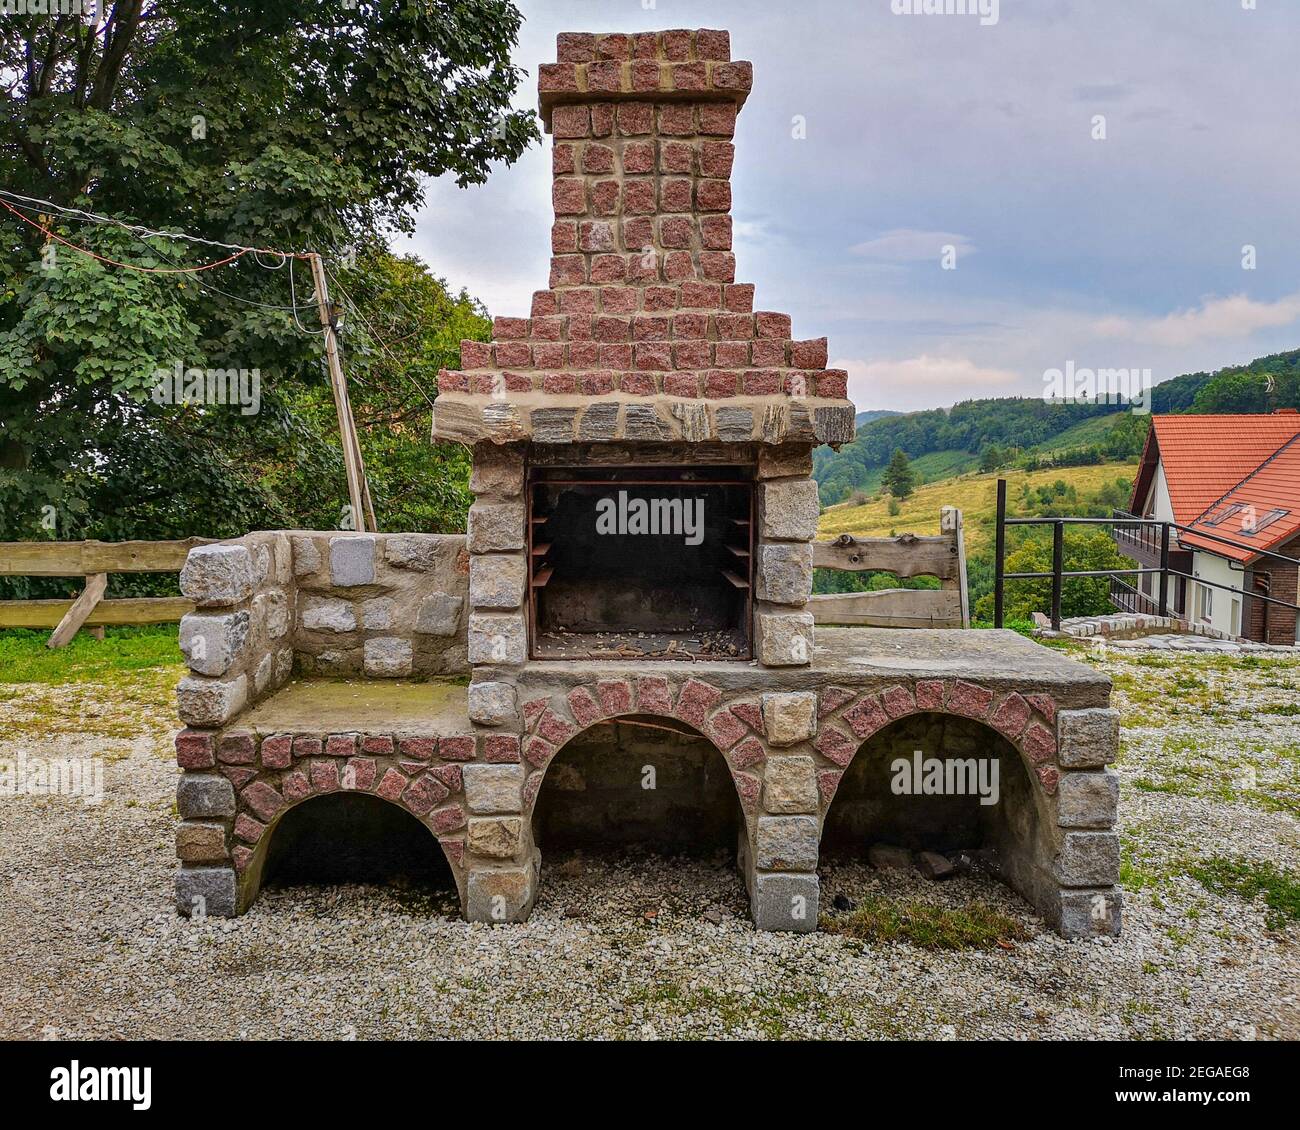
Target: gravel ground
(627,945)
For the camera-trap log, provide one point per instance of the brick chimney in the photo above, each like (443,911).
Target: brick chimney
(643,334)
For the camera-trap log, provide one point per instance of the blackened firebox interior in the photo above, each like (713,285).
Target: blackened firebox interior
(641,562)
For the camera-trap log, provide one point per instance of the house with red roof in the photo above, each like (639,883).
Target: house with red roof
(1232,484)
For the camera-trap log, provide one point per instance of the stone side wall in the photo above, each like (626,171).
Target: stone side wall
(786,510)
(382,605)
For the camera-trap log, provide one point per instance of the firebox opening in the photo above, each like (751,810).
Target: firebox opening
(885,797)
(641,563)
(641,781)
(354,838)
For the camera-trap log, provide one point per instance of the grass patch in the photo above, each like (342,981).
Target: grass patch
(1280,889)
(24,658)
(877,919)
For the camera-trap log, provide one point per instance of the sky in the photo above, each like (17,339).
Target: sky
(874,140)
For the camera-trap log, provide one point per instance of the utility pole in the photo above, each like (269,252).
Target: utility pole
(363,511)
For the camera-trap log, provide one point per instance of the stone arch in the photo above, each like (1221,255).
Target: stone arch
(429,791)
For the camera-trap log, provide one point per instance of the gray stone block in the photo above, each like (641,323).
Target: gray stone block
(497,470)
(492,789)
(306,556)
(496,527)
(787,843)
(497,580)
(272,608)
(734,425)
(497,638)
(599,422)
(439,614)
(790,718)
(499,896)
(1088,859)
(785,572)
(206,892)
(788,510)
(492,703)
(1088,738)
(263,673)
(218,576)
(834,424)
(377,614)
(553,425)
(352,560)
(203,796)
(783,901)
(387,657)
(201,842)
(495,837)
(201,701)
(1087,800)
(1090,914)
(415,552)
(784,639)
(785,461)
(211,643)
(328,614)
(790,785)
(641,421)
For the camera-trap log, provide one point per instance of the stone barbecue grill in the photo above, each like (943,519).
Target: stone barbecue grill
(633,589)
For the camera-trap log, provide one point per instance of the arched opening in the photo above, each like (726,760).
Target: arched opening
(354,838)
(647,797)
(941,784)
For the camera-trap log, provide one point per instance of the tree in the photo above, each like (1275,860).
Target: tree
(268,124)
(1084,550)
(900,476)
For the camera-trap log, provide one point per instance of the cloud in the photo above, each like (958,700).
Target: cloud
(908,245)
(924,381)
(1233,317)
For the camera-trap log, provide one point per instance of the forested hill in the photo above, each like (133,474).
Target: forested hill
(996,430)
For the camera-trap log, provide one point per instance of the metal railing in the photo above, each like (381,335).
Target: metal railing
(1156,533)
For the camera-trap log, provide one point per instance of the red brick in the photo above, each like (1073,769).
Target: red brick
(689,76)
(1044,704)
(677,119)
(691,355)
(739,298)
(616,300)
(639,196)
(770,325)
(237,748)
(747,787)
(452,775)
(423,793)
(238,775)
(718,266)
(453,849)
(701,296)
(604,77)
(277,751)
(725,729)
(475,354)
(566,270)
(710,44)
(616,356)
(575,47)
(569,196)
(690,327)
(828,780)
(1038,743)
(390,788)
(731,354)
(264,800)
(578,301)
(548,355)
(596,235)
(660,297)
(359,773)
(324,775)
(639,157)
(558,384)
(645,45)
(573,121)
(611,329)
(1010,716)
(748,754)
(602,119)
(458,748)
(557,77)
(676,231)
(637,384)
(836,745)
(761,382)
(686,385)
(635,118)
(501,749)
(715,232)
(695,700)
(646,76)
(647,327)
(241,857)
(749,713)
(676,157)
(734,327)
(734,76)
(417,749)
(563,159)
(196,749)
(717,158)
(554,728)
(451,381)
(769,354)
(969,699)
(718,118)
(929,695)
(721,382)
(447,819)
(898,701)
(538,752)
(248,829)
(713,196)
(676,44)
(615,695)
(608,268)
(654,356)
(596,384)
(295,786)
(832,698)
(866,716)
(583,706)
(833,383)
(1049,776)
(653,695)
(808,354)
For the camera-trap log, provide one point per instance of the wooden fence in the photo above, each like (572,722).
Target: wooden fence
(942,556)
(94,560)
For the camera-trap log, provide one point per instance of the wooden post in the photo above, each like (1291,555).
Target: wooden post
(81,608)
(950,521)
(363,514)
